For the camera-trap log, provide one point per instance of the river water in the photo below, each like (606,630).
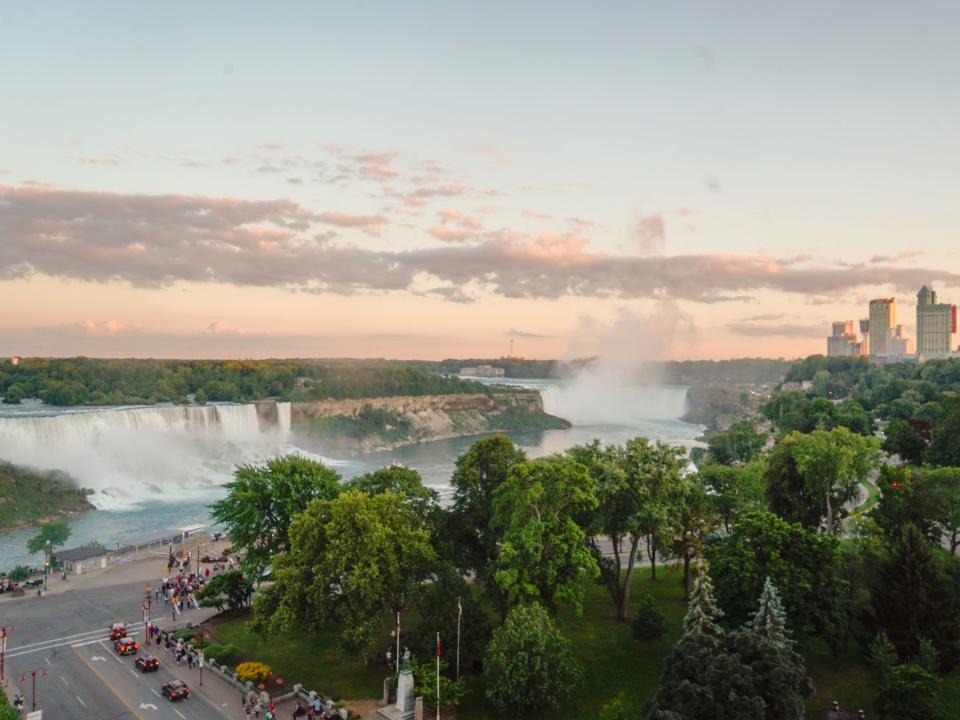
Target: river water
(158,468)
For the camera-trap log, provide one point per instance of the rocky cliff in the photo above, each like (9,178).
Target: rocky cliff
(370,424)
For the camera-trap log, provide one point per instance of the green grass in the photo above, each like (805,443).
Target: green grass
(613,662)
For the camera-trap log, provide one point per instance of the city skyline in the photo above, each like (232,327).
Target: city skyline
(433,181)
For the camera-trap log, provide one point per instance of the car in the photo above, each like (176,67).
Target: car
(175,690)
(35,583)
(147,663)
(126,646)
(118,630)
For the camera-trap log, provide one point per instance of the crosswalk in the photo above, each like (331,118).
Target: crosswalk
(77,640)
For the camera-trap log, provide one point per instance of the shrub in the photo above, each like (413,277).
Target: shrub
(184,634)
(223,654)
(649,625)
(20,573)
(253,671)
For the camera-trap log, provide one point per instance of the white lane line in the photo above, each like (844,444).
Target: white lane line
(55,643)
(98,631)
(64,681)
(133,673)
(47,660)
(79,700)
(154,692)
(180,714)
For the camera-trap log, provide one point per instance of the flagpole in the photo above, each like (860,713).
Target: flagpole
(459,615)
(438,676)
(398,644)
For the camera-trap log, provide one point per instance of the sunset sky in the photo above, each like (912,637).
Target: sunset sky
(430,179)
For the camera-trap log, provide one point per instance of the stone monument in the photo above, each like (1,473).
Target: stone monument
(404,707)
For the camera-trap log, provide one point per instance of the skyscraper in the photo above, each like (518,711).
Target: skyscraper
(936,324)
(843,341)
(883,318)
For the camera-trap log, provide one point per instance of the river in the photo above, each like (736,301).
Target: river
(158,468)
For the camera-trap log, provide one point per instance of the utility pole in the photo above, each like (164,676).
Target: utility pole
(33,673)
(438,676)
(459,615)
(4,631)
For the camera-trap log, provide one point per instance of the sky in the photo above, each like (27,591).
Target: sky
(433,179)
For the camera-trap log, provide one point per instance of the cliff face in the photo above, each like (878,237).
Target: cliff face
(29,496)
(370,424)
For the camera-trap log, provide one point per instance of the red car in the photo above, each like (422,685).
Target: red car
(175,690)
(147,663)
(126,646)
(117,631)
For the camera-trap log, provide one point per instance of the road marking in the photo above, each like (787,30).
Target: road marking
(149,706)
(179,713)
(64,681)
(79,700)
(47,660)
(154,692)
(86,638)
(133,673)
(97,658)
(104,681)
(98,631)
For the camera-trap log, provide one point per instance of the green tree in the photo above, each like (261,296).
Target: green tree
(349,561)
(913,597)
(806,567)
(616,709)
(529,664)
(906,499)
(401,480)
(882,653)
(13,394)
(649,624)
(425,683)
(943,485)
(694,520)
(477,475)
(901,439)
(733,491)
(740,443)
(812,476)
(226,590)
(544,555)
(50,536)
(909,693)
(944,450)
(262,501)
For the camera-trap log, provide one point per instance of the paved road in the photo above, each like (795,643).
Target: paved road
(66,636)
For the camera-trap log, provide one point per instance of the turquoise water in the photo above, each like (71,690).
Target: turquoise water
(184,500)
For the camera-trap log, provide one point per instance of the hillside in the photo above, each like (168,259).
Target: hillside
(28,496)
(364,425)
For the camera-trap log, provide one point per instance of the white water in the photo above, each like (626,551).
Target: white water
(593,402)
(133,455)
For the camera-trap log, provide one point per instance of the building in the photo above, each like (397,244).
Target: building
(883,319)
(86,557)
(865,336)
(936,324)
(482,371)
(843,341)
(899,346)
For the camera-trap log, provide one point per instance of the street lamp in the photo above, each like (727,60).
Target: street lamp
(33,673)
(4,631)
(201,634)
(46,566)
(145,616)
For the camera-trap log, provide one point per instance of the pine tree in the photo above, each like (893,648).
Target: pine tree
(702,611)
(770,622)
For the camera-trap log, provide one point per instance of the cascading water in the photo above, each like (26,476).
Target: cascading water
(131,455)
(593,400)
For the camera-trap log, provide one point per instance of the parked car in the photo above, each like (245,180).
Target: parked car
(147,663)
(118,630)
(126,646)
(35,583)
(175,690)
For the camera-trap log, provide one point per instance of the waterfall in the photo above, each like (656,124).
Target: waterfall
(592,400)
(129,455)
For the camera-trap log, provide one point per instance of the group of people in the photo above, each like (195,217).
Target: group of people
(18,702)
(315,710)
(178,592)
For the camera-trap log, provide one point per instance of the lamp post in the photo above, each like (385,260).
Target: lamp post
(145,616)
(33,673)
(201,634)
(4,631)
(46,566)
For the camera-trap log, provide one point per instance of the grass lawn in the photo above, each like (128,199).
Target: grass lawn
(612,660)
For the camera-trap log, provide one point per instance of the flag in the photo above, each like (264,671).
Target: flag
(459,606)
(438,644)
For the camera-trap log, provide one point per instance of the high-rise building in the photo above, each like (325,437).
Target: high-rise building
(843,341)
(865,336)
(883,318)
(898,344)
(936,324)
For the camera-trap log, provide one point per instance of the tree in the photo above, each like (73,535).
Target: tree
(732,491)
(262,501)
(649,624)
(694,519)
(529,664)
(543,555)
(901,439)
(477,475)
(770,622)
(805,566)
(882,653)
(349,561)
(437,608)
(50,536)
(909,693)
(944,486)
(229,589)
(13,395)
(740,443)
(944,450)
(812,476)
(616,709)
(907,499)
(913,597)
(425,683)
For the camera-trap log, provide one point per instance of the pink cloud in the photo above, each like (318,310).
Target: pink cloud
(104,327)
(222,327)
(346,219)
(451,234)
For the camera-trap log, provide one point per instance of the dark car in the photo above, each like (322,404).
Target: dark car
(147,663)
(118,630)
(35,583)
(126,646)
(175,690)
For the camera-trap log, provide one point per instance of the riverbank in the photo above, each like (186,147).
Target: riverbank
(29,497)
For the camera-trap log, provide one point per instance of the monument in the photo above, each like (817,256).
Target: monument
(404,707)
